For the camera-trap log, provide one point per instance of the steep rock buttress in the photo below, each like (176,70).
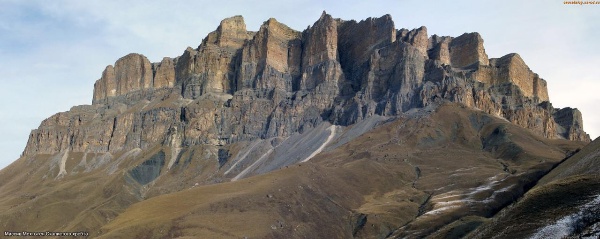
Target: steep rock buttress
(241,85)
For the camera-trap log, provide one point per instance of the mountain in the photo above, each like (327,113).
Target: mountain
(346,129)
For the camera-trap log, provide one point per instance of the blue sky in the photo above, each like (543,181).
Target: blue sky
(52,52)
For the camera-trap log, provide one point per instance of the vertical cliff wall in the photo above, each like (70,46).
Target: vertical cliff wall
(133,73)
(242,85)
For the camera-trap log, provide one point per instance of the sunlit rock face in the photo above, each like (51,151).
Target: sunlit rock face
(276,81)
(375,131)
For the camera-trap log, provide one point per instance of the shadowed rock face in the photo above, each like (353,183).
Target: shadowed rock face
(149,169)
(571,122)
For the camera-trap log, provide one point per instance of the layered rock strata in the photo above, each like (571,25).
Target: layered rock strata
(133,73)
(242,85)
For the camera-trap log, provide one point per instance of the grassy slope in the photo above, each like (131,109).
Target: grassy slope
(374,186)
(560,193)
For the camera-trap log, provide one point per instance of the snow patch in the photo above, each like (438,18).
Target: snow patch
(567,225)
(454,199)
(465,169)
(442,209)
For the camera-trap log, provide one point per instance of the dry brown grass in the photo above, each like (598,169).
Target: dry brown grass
(374,186)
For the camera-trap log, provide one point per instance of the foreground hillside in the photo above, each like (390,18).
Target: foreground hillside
(346,129)
(565,202)
(395,181)
(411,176)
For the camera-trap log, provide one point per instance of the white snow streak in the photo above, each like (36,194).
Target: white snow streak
(243,157)
(251,167)
(453,199)
(329,138)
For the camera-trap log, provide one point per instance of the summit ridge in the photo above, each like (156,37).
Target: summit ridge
(277,81)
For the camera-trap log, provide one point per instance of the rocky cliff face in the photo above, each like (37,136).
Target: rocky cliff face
(571,122)
(133,74)
(372,131)
(240,85)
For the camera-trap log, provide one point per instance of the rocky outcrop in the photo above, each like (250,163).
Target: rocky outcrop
(467,50)
(271,60)
(164,73)
(571,123)
(439,49)
(133,73)
(105,87)
(512,69)
(212,67)
(417,37)
(240,85)
(231,33)
(78,130)
(320,56)
(356,44)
